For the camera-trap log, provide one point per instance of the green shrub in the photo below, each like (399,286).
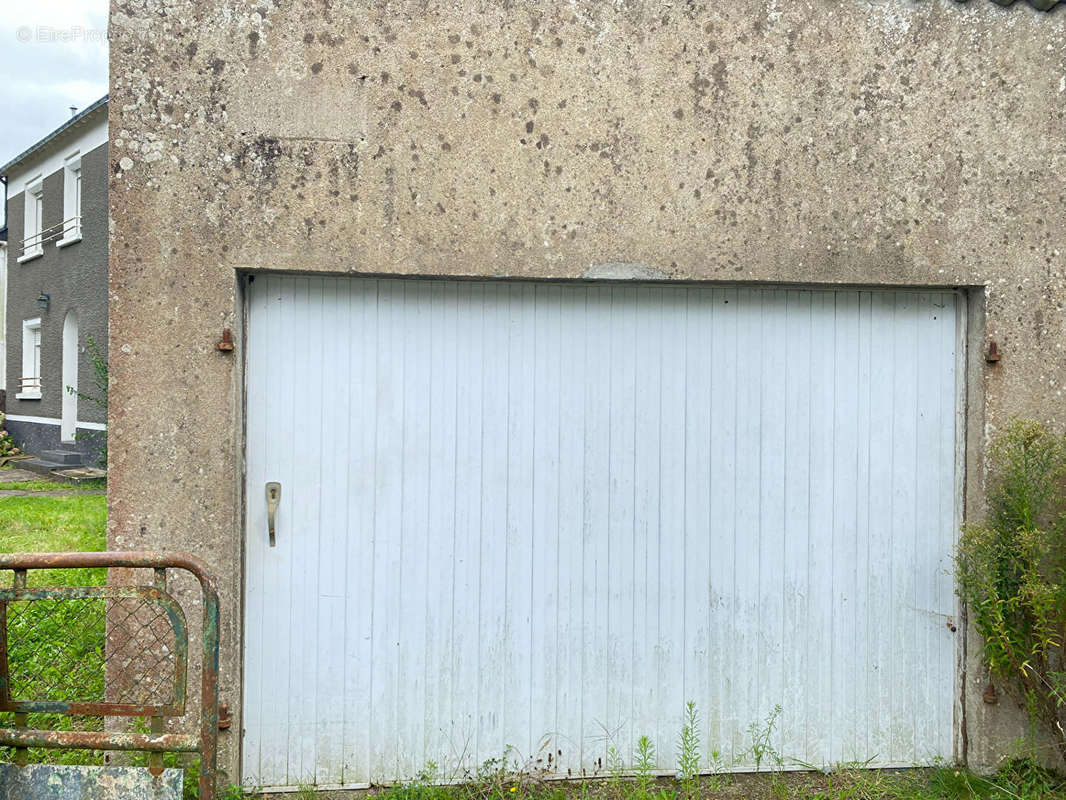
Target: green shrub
(1012,572)
(7,445)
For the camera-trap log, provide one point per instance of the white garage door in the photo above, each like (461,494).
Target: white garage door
(536,519)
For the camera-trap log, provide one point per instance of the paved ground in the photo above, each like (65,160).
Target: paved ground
(62,489)
(15,474)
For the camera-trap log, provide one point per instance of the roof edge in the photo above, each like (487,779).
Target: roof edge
(70,123)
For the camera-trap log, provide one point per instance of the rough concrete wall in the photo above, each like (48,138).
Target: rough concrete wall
(75,277)
(883,142)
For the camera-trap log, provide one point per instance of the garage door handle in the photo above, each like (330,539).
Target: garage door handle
(273,493)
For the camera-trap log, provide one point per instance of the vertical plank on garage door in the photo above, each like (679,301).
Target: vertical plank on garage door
(798,347)
(772,455)
(569,350)
(881,609)
(649,594)
(519,502)
(519,514)
(332,502)
(441,529)
(260,308)
(278,379)
(470,345)
(949,497)
(925,542)
(698,371)
(387,376)
(905,461)
(492,702)
(303,553)
(621,514)
(818,626)
(843,720)
(359,559)
(858,634)
(725,713)
(545,534)
(668,586)
(744,627)
(595,522)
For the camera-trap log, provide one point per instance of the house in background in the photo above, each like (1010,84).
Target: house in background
(57,289)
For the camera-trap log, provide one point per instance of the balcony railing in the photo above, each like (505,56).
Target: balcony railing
(30,386)
(34,244)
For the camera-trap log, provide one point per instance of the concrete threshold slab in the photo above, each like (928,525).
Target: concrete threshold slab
(68,782)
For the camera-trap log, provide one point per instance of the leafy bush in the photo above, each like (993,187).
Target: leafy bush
(1012,572)
(7,445)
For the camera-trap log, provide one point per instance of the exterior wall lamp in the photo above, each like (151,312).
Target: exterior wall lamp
(43,299)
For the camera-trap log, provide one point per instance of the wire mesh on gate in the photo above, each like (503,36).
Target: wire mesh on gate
(127,639)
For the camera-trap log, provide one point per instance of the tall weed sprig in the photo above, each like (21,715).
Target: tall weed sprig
(688,752)
(762,747)
(644,767)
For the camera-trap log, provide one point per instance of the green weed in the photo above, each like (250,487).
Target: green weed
(615,768)
(718,775)
(688,752)
(762,747)
(643,767)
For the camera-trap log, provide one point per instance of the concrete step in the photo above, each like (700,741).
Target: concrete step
(41,467)
(65,458)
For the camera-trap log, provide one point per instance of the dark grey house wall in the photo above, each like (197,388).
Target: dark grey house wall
(36,439)
(76,278)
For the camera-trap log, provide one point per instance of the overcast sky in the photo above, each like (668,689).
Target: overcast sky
(53,54)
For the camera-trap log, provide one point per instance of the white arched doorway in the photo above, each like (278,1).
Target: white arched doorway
(69,420)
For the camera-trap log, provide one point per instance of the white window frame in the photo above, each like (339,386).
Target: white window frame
(31,361)
(72,187)
(33,222)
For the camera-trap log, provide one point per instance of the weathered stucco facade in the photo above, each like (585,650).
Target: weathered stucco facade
(866,143)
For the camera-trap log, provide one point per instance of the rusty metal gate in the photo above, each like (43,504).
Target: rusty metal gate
(136,667)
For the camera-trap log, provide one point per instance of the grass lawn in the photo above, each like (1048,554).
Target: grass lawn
(50,524)
(53,486)
(54,524)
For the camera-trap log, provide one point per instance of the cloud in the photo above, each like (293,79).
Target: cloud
(53,54)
